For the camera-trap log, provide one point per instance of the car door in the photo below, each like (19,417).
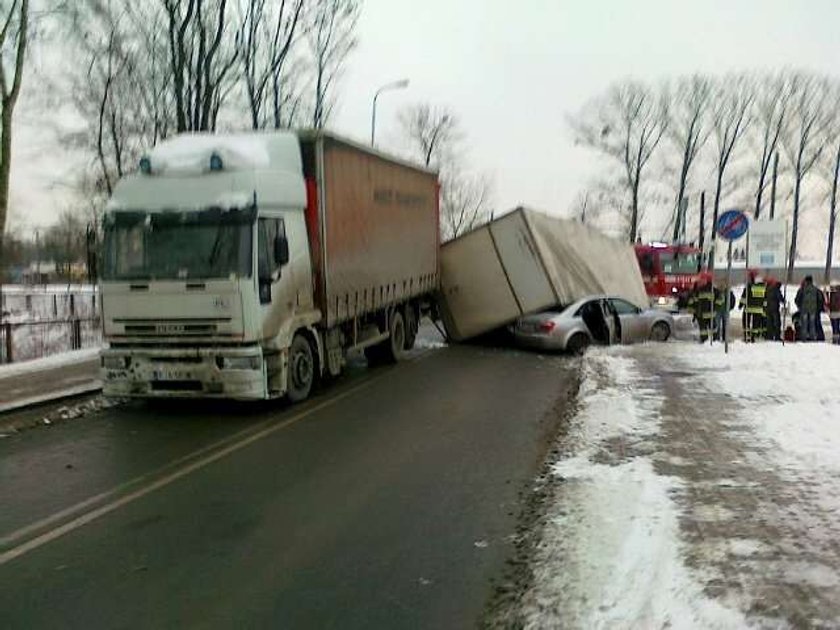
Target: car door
(633,326)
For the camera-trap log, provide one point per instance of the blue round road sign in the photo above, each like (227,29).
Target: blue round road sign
(732,225)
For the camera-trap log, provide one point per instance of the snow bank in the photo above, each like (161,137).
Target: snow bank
(610,556)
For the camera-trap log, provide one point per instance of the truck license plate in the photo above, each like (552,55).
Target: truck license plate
(168,375)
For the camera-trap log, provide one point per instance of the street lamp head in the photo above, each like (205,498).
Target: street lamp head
(402,83)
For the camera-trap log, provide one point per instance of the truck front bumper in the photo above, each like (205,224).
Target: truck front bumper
(213,372)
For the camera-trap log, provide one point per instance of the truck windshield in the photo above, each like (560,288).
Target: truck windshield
(212,243)
(684,262)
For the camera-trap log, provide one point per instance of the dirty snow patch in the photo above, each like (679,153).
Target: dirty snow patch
(610,555)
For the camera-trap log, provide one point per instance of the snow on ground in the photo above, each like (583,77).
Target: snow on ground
(62,359)
(791,397)
(695,489)
(611,555)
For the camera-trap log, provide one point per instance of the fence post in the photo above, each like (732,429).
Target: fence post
(72,304)
(77,334)
(55,305)
(8,331)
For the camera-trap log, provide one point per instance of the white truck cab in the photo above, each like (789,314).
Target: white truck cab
(210,286)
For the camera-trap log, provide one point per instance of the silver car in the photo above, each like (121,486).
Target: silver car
(598,319)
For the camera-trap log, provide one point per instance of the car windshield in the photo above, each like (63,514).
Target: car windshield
(211,243)
(682,262)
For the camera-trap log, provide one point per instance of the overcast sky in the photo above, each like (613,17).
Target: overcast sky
(512,71)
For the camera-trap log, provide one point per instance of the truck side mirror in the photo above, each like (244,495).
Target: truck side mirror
(281,250)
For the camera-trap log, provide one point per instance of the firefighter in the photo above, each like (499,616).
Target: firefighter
(702,305)
(834,312)
(752,303)
(773,300)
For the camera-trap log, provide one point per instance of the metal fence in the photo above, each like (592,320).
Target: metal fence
(38,321)
(21,341)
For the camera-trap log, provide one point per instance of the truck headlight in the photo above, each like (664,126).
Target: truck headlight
(115,362)
(239,363)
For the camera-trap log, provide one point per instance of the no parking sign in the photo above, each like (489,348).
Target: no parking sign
(731,226)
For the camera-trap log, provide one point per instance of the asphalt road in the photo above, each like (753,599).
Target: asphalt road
(388,501)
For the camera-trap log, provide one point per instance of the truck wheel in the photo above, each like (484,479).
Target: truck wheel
(394,347)
(578,343)
(301,372)
(411,326)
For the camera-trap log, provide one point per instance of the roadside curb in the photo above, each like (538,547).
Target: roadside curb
(87,388)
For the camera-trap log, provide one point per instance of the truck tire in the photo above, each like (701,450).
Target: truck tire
(411,326)
(301,373)
(394,347)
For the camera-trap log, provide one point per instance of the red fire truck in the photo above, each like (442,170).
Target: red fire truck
(669,271)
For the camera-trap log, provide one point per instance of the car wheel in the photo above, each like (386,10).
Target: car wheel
(660,332)
(578,343)
(301,371)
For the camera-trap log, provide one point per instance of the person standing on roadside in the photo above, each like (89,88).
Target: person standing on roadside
(752,301)
(702,305)
(834,312)
(811,302)
(773,300)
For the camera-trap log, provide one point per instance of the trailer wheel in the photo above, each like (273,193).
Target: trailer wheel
(301,372)
(394,347)
(411,326)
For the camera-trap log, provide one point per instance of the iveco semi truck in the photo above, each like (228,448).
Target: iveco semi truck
(248,266)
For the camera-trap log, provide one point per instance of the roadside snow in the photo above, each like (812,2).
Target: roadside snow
(610,555)
(63,359)
(790,396)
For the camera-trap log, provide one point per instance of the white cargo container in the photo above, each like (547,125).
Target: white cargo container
(525,262)
(246,266)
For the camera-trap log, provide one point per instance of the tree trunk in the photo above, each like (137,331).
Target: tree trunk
(794,232)
(773,186)
(715,213)
(832,220)
(634,214)
(760,192)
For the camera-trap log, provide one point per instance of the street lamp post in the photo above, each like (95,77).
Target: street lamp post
(395,85)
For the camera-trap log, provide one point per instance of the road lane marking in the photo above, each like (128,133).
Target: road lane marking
(248,436)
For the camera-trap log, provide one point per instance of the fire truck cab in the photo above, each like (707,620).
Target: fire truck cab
(669,272)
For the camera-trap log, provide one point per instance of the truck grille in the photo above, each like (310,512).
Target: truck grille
(173,327)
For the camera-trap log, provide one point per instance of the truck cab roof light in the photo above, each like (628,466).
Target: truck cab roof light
(216,163)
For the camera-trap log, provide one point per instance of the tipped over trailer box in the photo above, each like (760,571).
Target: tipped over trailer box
(525,262)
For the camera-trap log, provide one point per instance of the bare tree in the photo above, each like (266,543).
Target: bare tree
(772,104)
(688,131)
(432,131)
(13,38)
(331,36)
(804,144)
(627,124)
(266,35)
(464,201)
(201,57)
(435,138)
(832,216)
(730,121)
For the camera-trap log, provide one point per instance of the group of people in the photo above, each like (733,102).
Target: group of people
(761,303)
